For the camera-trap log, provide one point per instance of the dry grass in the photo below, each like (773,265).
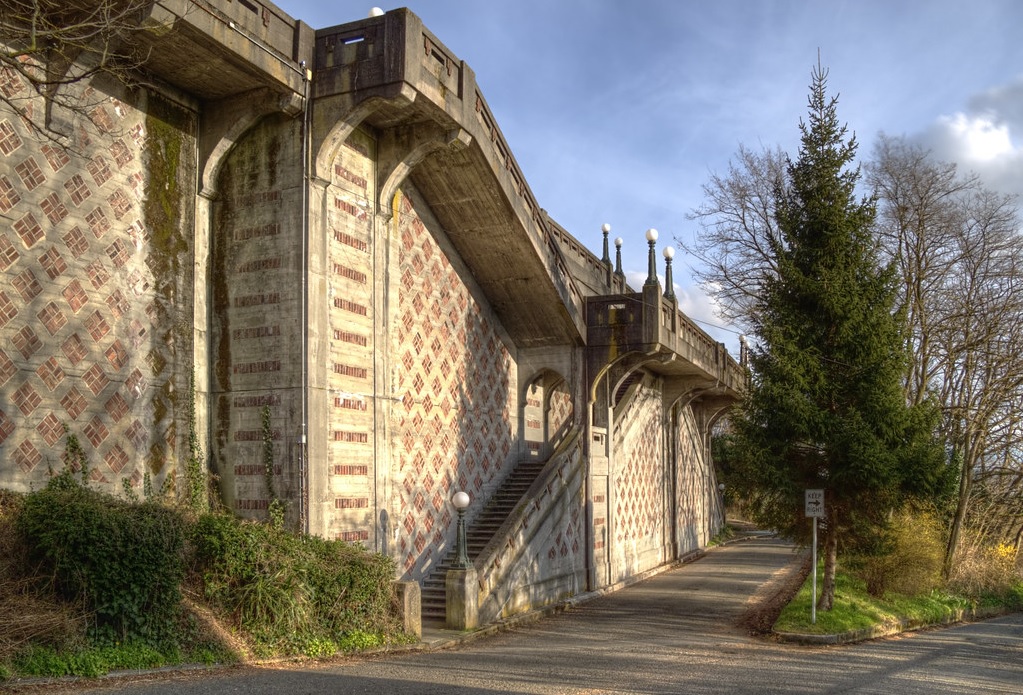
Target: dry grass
(29,616)
(912,567)
(28,612)
(980,569)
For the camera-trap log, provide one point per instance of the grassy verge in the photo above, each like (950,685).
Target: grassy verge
(855,609)
(38,661)
(726,534)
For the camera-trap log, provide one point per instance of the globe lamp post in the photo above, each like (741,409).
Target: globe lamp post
(651,276)
(461,503)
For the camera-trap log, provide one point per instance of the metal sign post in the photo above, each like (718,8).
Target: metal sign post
(814,510)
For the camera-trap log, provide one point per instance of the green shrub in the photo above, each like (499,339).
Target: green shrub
(122,561)
(351,587)
(908,558)
(294,593)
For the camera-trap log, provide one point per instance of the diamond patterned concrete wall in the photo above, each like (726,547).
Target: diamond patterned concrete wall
(454,382)
(93,286)
(638,477)
(255,332)
(566,550)
(559,413)
(694,486)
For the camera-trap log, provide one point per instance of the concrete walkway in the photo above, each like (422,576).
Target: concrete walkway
(706,596)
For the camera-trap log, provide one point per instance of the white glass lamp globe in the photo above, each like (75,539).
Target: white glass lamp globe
(460,500)
(651,235)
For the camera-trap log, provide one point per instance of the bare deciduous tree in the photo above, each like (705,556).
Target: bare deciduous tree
(918,215)
(739,233)
(48,45)
(955,245)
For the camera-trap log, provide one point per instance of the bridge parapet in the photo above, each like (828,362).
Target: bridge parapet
(645,322)
(397,76)
(220,50)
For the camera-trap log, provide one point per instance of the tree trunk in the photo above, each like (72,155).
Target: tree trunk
(827,598)
(965,478)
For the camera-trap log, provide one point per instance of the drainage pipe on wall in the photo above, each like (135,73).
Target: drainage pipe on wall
(303,513)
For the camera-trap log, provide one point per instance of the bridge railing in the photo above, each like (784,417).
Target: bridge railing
(396,47)
(643,321)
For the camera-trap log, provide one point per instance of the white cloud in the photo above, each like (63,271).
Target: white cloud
(985,138)
(979,138)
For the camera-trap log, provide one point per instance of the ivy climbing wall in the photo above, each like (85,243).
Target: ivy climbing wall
(256,320)
(95,290)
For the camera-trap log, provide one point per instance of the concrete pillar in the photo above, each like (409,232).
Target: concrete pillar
(410,604)
(462,599)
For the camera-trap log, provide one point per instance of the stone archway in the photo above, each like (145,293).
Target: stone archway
(548,413)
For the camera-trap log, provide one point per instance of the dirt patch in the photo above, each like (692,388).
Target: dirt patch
(763,607)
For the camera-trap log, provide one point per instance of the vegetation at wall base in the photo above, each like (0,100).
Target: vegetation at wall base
(90,583)
(726,534)
(295,594)
(39,661)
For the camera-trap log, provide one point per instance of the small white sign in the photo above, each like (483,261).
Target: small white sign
(815,504)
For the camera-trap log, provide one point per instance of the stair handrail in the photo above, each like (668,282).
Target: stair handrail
(553,471)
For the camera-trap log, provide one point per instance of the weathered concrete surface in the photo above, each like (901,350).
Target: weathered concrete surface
(331,226)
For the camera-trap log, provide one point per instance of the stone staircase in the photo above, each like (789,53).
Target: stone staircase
(477,534)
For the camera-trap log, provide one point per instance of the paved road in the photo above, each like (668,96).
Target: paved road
(673,633)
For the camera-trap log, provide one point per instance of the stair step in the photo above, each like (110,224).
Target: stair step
(479,533)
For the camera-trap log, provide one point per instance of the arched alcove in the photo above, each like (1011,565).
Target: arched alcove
(548,413)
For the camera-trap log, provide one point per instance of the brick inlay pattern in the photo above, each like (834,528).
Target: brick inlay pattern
(559,414)
(84,320)
(8,195)
(28,229)
(76,242)
(27,286)
(639,471)
(7,427)
(8,309)
(10,141)
(27,457)
(453,415)
(51,374)
(30,173)
(8,253)
(7,368)
(51,429)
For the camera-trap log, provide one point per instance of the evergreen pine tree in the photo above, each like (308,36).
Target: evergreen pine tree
(826,408)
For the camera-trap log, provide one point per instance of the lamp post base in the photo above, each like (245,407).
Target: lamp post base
(461,599)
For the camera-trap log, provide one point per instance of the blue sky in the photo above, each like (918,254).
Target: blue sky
(619,111)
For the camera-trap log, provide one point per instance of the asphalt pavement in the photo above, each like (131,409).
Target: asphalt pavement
(678,631)
(711,586)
